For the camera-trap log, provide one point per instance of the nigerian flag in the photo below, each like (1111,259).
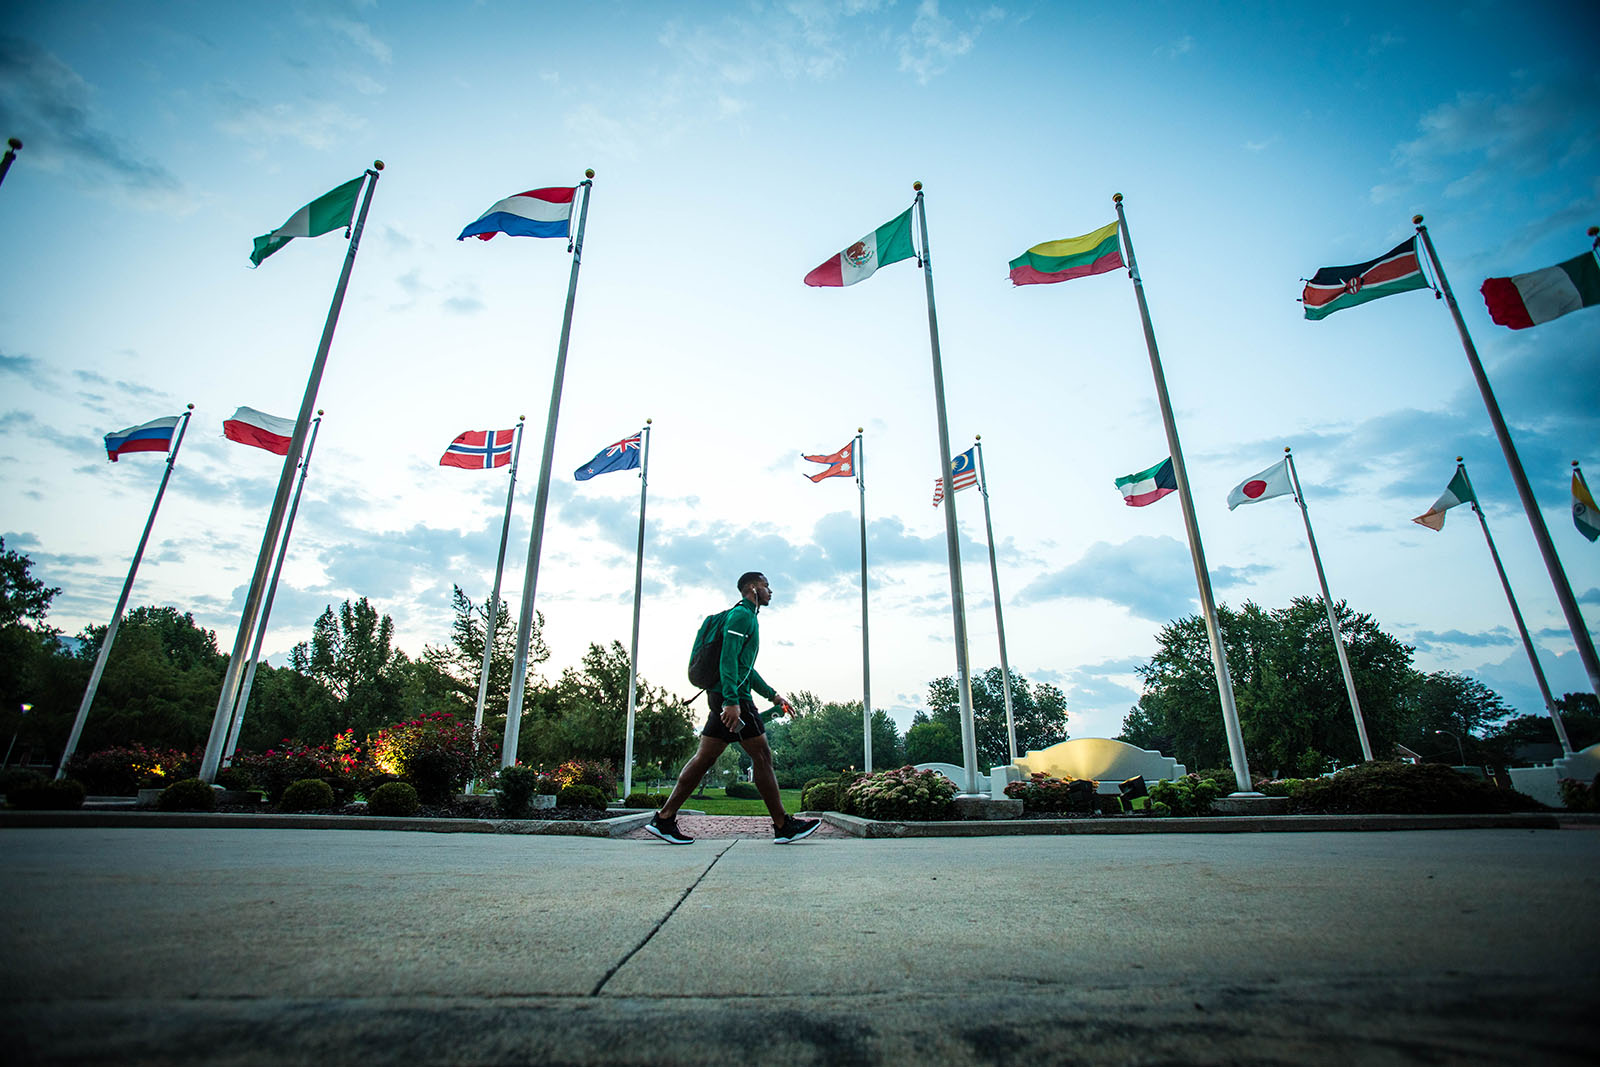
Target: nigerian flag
(325,213)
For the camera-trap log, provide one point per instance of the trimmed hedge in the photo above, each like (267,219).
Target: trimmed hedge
(308,794)
(821,795)
(395,799)
(1388,788)
(579,795)
(191,794)
(643,800)
(742,791)
(65,794)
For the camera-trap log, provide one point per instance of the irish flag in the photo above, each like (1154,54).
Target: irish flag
(251,427)
(1459,491)
(1524,300)
(1148,486)
(889,243)
(1074,257)
(327,212)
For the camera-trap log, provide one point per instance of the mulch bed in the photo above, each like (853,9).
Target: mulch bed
(449,810)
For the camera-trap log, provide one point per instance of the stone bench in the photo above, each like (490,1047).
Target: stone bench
(1542,783)
(1106,761)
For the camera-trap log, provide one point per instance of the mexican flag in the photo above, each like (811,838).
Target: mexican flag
(1459,491)
(1524,300)
(889,243)
(327,212)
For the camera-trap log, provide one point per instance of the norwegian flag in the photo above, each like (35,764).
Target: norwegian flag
(963,475)
(478,450)
(622,456)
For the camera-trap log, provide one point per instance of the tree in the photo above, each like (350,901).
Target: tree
(351,655)
(1446,702)
(31,660)
(459,664)
(1039,712)
(826,737)
(160,684)
(23,598)
(932,742)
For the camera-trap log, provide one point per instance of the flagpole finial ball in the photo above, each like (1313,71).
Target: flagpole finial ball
(916,186)
(977,437)
(377,164)
(522,418)
(14,143)
(861,429)
(1594,231)
(319,413)
(1286,449)
(1574,462)
(647,422)
(589,173)
(1116,198)
(1416,220)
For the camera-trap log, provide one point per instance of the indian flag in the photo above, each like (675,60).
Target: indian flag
(1074,257)
(1524,300)
(327,212)
(889,243)
(1584,515)
(1459,491)
(1148,486)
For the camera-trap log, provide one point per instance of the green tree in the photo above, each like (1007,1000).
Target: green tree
(1579,715)
(34,668)
(1446,702)
(458,664)
(825,737)
(351,655)
(23,598)
(1039,712)
(160,684)
(932,742)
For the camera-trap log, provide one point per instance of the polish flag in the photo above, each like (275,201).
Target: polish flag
(251,427)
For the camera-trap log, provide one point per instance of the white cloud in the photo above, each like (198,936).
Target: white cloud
(934,41)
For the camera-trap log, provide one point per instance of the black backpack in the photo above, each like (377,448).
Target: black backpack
(705,659)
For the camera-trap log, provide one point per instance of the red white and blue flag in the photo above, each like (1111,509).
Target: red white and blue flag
(963,475)
(622,456)
(535,213)
(152,436)
(841,464)
(479,450)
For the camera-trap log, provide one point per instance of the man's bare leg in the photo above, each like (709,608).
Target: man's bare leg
(701,762)
(761,773)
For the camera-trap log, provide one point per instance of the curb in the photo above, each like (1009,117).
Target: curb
(1235,824)
(616,826)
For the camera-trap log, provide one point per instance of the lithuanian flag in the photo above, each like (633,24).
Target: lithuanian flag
(1075,257)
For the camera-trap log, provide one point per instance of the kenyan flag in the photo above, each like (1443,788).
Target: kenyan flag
(1336,288)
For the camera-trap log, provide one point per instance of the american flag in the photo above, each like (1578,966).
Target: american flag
(963,475)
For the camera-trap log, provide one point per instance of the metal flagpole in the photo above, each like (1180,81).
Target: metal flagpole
(541,498)
(13,145)
(1208,604)
(272,591)
(491,616)
(1333,618)
(1552,563)
(958,607)
(280,502)
(638,591)
(999,619)
(122,602)
(1516,614)
(866,663)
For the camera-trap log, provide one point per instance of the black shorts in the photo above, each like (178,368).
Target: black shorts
(750,724)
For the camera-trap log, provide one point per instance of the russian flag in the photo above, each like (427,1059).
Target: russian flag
(535,213)
(152,436)
(251,427)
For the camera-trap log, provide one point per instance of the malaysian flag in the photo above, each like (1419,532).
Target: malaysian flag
(622,456)
(963,475)
(478,450)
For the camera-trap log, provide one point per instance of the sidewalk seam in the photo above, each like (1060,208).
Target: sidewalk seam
(623,962)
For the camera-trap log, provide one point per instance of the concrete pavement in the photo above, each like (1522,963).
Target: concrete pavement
(281,946)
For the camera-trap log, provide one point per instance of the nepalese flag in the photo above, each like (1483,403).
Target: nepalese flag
(152,436)
(622,456)
(1074,257)
(1336,288)
(1149,485)
(251,427)
(479,450)
(535,213)
(842,463)
(963,475)
(1524,300)
(889,243)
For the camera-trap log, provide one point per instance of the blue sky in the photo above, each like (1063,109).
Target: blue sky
(736,147)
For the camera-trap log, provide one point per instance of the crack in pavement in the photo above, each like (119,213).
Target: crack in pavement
(595,992)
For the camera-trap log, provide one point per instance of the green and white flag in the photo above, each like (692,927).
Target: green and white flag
(325,213)
(1459,491)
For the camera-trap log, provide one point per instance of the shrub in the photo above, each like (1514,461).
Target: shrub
(1221,777)
(598,773)
(436,752)
(821,795)
(515,788)
(579,795)
(20,778)
(1042,794)
(339,765)
(831,779)
(231,777)
(191,794)
(393,798)
(643,800)
(847,802)
(1282,787)
(906,793)
(1188,796)
(308,794)
(1388,788)
(742,791)
(64,794)
(123,770)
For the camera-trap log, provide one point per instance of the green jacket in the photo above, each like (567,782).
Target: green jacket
(741,640)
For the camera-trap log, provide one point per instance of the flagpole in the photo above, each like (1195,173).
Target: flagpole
(13,145)
(1333,618)
(1516,615)
(958,607)
(999,619)
(541,498)
(272,592)
(1208,604)
(491,616)
(1547,549)
(212,759)
(122,602)
(866,664)
(638,592)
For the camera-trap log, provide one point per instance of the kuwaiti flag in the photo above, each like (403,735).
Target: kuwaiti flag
(1336,288)
(1584,515)
(324,214)
(889,243)
(1459,491)
(480,450)
(1148,486)
(251,427)
(1274,481)
(535,213)
(842,464)
(152,436)
(963,474)
(1524,300)
(622,456)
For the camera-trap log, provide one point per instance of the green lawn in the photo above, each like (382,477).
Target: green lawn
(715,802)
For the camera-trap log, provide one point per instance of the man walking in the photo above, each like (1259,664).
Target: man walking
(733,717)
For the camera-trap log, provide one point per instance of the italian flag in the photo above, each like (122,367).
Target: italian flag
(327,212)
(889,243)
(1524,300)
(1148,486)
(1459,491)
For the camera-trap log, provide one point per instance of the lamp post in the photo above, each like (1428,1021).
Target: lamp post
(1461,752)
(5,762)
